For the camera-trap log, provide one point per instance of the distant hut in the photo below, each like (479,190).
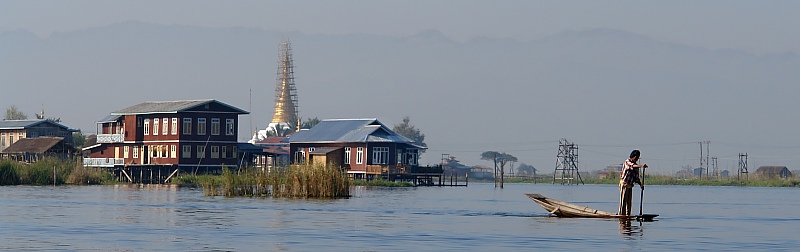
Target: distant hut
(34,149)
(774,172)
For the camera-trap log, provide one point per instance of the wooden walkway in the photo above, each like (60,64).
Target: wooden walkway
(430,179)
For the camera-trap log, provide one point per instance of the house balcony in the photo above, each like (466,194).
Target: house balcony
(102,162)
(110,138)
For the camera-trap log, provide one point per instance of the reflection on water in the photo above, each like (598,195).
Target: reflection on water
(627,229)
(477,218)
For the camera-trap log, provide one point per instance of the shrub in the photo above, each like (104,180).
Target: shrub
(88,176)
(8,173)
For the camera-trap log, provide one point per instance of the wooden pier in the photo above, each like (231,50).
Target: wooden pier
(427,176)
(156,173)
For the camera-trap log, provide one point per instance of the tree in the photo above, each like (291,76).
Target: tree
(284,128)
(499,158)
(78,140)
(407,130)
(13,113)
(310,123)
(53,119)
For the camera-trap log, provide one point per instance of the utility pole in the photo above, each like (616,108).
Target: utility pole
(714,166)
(567,162)
(742,166)
(704,164)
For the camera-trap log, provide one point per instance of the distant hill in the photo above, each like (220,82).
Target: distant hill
(605,87)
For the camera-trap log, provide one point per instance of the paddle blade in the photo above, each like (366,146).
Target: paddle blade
(646,217)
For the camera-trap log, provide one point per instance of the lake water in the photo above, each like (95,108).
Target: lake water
(475,218)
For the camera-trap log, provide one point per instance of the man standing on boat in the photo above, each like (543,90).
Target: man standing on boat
(629,176)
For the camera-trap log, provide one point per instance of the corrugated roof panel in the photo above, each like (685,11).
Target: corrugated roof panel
(109,118)
(348,131)
(21,124)
(33,145)
(329,130)
(17,124)
(160,107)
(169,107)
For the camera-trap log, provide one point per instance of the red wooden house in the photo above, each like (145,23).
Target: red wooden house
(364,147)
(186,135)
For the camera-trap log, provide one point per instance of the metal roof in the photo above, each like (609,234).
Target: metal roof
(23,124)
(33,145)
(324,150)
(170,107)
(348,131)
(109,118)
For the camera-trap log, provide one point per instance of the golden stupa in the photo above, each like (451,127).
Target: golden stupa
(285,91)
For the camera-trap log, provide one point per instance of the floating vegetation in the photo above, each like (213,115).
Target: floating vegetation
(307,181)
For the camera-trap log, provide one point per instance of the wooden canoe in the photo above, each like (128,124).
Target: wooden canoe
(564,209)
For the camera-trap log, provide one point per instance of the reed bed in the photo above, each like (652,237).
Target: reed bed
(307,181)
(51,171)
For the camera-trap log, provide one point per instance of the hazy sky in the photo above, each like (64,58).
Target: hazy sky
(759,27)
(753,26)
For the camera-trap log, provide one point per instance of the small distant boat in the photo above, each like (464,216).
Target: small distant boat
(563,209)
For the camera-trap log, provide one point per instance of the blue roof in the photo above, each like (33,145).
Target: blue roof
(348,131)
(23,124)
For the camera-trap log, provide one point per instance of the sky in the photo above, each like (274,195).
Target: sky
(754,26)
(758,27)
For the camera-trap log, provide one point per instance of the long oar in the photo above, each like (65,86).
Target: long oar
(644,217)
(641,197)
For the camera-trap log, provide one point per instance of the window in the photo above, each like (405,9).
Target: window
(215,151)
(3,141)
(229,127)
(346,155)
(215,126)
(174,126)
(201,126)
(187,126)
(380,155)
(154,151)
(413,155)
(299,157)
(125,152)
(186,151)
(139,122)
(228,152)
(173,151)
(135,151)
(164,151)
(146,127)
(201,151)
(399,157)
(155,127)
(164,127)
(360,155)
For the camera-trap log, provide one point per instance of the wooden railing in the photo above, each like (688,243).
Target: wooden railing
(102,162)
